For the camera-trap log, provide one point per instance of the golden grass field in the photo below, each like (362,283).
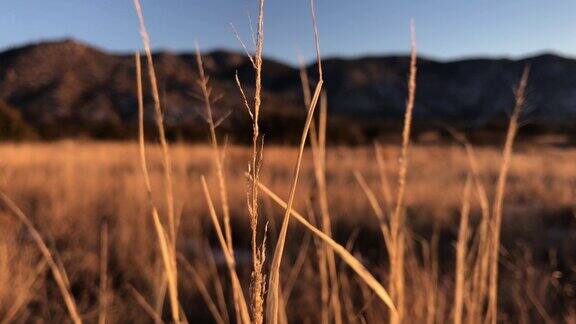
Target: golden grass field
(71,188)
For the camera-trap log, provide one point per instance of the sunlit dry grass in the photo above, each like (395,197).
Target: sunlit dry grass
(101,175)
(70,188)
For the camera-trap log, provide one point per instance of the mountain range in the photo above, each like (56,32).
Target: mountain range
(66,88)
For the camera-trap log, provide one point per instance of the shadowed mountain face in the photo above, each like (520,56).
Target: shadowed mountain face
(66,88)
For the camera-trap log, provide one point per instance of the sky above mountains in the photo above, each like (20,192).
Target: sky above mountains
(446,29)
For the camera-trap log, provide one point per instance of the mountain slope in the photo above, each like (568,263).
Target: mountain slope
(66,88)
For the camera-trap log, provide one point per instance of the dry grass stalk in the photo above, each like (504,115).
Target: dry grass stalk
(479,255)
(217,283)
(428,275)
(206,90)
(218,160)
(321,250)
(375,207)
(324,280)
(496,221)
(397,232)
(58,271)
(282,314)
(322,269)
(258,252)
(320,172)
(141,139)
(478,286)
(296,268)
(384,182)
(318,144)
(24,297)
(244,314)
(104,298)
(461,253)
(144,304)
(274,281)
(346,256)
(273,299)
(159,118)
(347,298)
(169,264)
(167,249)
(212,308)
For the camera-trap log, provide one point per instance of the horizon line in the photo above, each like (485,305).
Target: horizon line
(331,56)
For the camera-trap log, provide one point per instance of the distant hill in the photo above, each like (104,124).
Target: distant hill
(67,88)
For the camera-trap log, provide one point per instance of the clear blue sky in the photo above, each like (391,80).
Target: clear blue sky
(445,29)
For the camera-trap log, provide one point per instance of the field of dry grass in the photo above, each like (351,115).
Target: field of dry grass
(542,179)
(70,189)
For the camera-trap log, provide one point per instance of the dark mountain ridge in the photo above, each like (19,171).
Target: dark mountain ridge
(67,88)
